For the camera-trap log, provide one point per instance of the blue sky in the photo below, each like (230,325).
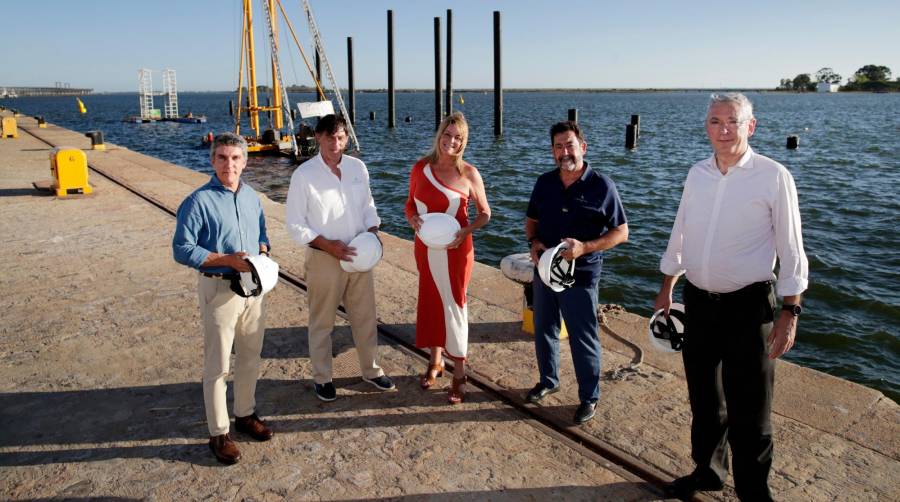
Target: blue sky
(652,43)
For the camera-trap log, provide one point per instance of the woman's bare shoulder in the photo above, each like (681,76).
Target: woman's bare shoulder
(471,172)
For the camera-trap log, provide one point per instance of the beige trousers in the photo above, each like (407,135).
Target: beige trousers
(329,285)
(229,319)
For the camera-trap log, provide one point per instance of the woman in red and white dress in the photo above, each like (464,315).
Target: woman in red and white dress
(442,182)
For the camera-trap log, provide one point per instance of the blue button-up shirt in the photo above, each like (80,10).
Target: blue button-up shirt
(214,219)
(585,210)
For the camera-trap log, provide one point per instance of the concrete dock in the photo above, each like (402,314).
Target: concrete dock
(100,366)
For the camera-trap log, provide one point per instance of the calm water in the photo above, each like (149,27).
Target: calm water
(846,170)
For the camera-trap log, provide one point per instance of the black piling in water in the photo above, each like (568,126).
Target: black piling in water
(636,122)
(390,62)
(498,89)
(793,142)
(408,119)
(231,108)
(573,114)
(449,95)
(438,108)
(631,136)
(351,88)
(371,115)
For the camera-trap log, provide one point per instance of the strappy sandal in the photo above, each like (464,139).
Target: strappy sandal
(457,391)
(431,375)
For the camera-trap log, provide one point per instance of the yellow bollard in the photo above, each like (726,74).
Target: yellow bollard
(9,128)
(528,322)
(518,267)
(70,174)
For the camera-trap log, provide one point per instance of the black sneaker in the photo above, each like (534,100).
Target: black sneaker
(584,412)
(325,391)
(382,382)
(539,392)
(685,487)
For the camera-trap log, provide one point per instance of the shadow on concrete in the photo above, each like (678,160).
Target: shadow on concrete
(47,422)
(290,343)
(19,192)
(498,332)
(81,499)
(479,333)
(631,491)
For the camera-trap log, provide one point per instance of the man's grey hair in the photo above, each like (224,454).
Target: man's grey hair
(227,139)
(745,107)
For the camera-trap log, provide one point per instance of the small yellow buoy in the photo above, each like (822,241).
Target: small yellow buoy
(81,107)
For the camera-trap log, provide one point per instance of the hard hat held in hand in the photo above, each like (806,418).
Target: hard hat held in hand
(262,277)
(438,230)
(667,334)
(556,272)
(368,253)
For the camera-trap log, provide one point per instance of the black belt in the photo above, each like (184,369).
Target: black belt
(711,295)
(227,277)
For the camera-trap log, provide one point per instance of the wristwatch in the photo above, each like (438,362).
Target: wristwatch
(793,309)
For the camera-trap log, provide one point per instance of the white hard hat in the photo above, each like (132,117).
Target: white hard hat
(262,277)
(556,272)
(667,334)
(518,267)
(438,230)
(368,253)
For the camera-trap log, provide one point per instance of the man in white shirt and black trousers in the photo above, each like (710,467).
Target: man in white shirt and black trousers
(328,204)
(738,212)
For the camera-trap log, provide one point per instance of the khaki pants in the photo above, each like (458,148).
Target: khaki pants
(229,319)
(329,285)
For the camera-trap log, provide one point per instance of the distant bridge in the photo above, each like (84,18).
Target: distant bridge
(10,91)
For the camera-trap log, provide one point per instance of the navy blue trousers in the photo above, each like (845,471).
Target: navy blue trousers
(578,306)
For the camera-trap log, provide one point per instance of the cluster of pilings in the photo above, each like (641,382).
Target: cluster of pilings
(443,101)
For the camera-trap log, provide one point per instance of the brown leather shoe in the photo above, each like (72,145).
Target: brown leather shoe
(254,427)
(224,449)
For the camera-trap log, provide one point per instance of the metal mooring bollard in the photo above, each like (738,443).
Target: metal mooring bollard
(96,140)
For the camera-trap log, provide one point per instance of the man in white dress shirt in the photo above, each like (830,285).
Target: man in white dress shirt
(329,202)
(738,212)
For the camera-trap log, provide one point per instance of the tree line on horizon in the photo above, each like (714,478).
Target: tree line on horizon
(868,78)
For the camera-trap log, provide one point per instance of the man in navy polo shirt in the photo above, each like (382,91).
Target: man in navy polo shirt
(577,205)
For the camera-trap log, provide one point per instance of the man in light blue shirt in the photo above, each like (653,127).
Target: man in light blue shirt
(218,225)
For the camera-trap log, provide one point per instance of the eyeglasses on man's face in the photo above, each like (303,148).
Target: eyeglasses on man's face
(731,124)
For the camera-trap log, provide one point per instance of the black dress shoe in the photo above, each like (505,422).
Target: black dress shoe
(584,412)
(254,427)
(539,392)
(685,487)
